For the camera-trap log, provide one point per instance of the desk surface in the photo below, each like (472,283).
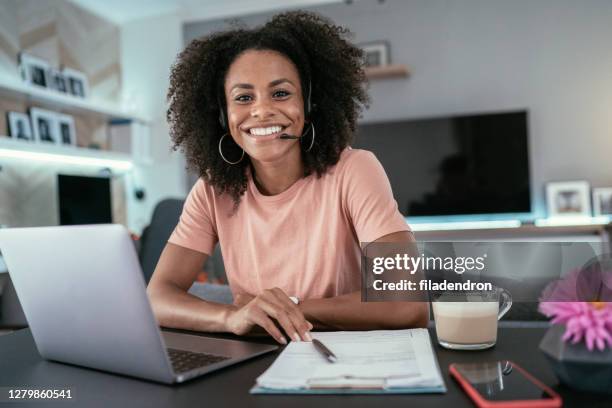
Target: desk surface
(22,366)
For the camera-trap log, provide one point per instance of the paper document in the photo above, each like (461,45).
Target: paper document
(367,359)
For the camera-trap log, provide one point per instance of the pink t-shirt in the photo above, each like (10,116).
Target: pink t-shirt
(305,240)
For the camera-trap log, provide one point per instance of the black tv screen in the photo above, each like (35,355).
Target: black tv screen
(84,200)
(459,165)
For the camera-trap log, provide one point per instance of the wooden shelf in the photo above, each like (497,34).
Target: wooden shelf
(52,100)
(387,71)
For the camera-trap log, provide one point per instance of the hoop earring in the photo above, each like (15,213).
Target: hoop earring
(313,138)
(223,157)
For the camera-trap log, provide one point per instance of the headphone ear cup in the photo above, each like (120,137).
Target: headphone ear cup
(222,118)
(221,106)
(308,103)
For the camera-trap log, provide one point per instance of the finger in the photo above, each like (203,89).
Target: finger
(276,310)
(298,319)
(260,318)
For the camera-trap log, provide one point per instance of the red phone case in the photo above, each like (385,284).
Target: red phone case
(481,402)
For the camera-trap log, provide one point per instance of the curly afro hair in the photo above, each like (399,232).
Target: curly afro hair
(326,61)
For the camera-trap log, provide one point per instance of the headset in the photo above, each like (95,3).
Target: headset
(223,121)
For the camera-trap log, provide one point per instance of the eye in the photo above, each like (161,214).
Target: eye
(242,98)
(281,93)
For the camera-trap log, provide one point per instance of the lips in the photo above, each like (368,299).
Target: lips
(260,139)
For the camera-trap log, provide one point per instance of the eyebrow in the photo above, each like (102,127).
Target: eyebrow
(271,84)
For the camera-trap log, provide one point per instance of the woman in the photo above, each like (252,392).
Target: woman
(266,116)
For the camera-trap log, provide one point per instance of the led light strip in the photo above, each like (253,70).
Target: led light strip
(463,225)
(66,159)
(561,221)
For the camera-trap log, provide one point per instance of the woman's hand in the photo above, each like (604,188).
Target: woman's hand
(262,309)
(242,299)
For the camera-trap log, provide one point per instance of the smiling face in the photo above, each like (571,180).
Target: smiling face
(264,100)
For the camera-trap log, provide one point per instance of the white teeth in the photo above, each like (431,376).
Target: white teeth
(265,131)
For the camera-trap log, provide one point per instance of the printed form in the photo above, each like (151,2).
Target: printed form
(366,359)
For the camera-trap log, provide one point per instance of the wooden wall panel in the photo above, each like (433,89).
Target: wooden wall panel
(64,35)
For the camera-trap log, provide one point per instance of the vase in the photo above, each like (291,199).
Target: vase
(576,366)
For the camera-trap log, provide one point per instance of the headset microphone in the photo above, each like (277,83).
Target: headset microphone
(286,136)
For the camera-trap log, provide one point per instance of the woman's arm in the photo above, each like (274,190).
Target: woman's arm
(174,307)
(347,312)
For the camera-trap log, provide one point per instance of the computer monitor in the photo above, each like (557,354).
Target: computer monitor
(84,200)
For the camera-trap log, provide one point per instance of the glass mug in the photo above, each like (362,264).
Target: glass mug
(468,320)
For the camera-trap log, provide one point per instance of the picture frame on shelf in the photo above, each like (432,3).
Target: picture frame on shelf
(76,82)
(19,126)
(45,126)
(376,53)
(57,80)
(602,201)
(67,132)
(568,198)
(34,70)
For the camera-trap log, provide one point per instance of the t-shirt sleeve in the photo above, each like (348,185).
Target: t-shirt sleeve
(369,199)
(196,228)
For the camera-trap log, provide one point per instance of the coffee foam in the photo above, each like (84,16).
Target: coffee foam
(466,309)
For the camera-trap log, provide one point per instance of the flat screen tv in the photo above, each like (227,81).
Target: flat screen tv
(456,165)
(84,200)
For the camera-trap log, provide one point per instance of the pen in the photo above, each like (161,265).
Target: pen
(331,357)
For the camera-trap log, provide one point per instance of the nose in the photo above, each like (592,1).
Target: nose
(261,109)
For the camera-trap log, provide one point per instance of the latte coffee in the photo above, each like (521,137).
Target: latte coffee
(469,325)
(466,323)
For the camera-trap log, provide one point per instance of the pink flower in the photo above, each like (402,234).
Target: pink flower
(582,301)
(590,322)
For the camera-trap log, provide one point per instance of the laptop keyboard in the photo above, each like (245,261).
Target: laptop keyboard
(183,360)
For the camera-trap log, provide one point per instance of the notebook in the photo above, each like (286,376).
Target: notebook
(380,361)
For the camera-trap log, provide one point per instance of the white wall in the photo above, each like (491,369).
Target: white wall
(549,56)
(553,57)
(148,49)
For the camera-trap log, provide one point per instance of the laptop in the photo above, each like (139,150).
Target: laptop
(84,296)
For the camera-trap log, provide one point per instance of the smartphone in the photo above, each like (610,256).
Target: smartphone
(503,384)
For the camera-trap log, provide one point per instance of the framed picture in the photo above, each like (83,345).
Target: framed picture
(67,133)
(569,198)
(376,54)
(45,126)
(19,126)
(34,70)
(602,201)
(57,81)
(76,82)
